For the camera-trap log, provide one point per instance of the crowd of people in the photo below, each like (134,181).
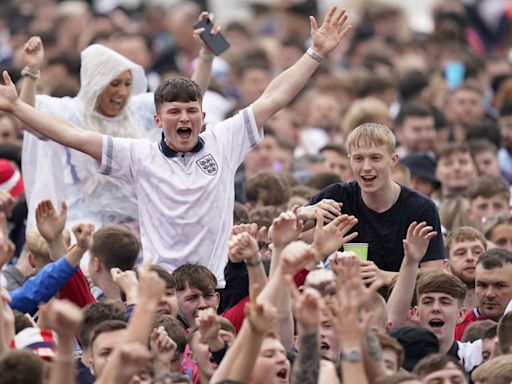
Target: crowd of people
(327,201)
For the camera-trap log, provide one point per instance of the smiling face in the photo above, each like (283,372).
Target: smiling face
(439,313)
(181,122)
(463,256)
(371,166)
(456,172)
(481,207)
(272,366)
(115,96)
(493,290)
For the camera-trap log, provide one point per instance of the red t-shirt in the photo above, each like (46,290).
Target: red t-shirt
(470,318)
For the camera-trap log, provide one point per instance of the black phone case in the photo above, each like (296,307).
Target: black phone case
(217,43)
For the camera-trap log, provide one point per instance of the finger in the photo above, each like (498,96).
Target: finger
(146,267)
(410,230)
(344,32)
(431,235)
(349,238)
(425,231)
(319,221)
(7,78)
(329,15)
(342,14)
(63,208)
(342,20)
(313,24)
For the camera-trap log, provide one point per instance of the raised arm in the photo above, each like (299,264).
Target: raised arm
(415,246)
(47,125)
(288,84)
(203,72)
(32,57)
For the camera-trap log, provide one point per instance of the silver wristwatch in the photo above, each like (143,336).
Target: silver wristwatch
(353,355)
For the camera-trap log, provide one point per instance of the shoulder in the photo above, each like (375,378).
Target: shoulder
(416,199)
(337,191)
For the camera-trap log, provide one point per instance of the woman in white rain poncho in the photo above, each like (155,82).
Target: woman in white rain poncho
(112,100)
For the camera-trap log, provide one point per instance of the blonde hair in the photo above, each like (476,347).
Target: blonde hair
(38,247)
(369,134)
(496,371)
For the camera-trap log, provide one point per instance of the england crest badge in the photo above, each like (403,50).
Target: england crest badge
(208,165)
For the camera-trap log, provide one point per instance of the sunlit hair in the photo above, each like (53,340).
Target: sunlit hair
(461,234)
(371,134)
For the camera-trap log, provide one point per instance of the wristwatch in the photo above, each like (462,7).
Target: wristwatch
(353,355)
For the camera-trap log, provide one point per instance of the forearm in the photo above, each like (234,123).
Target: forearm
(58,129)
(257,275)
(141,322)
(306,369)
(203,73)
(28,90)
(400,299)
(57,247)
(63,371)
(372,357)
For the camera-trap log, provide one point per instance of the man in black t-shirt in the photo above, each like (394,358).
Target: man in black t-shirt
(384,208)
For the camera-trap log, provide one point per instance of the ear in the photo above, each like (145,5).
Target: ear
(446,266)
(462,314)
(413,313)
(96,264)
(217,297)
(91,367)
(31,260)
(157,120)
(394,159)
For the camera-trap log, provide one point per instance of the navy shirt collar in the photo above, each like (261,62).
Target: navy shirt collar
(169,152)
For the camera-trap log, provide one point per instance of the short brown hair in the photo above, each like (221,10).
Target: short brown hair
(180,89)
(450,149)
(95,314)
(165,275)
(495,258)
(21,366)
(435,362)
(388,342)
(195,276)
(115,247)
(489,186)
(396,378)
(461,234)
(497,370)
(505,333)
(263,216)
(174,330)
(438,281)
(478,330)
(267,188)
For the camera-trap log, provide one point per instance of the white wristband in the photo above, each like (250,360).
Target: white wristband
(315,55)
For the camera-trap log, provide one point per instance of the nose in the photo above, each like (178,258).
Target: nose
(123,90)
(436,307)
(202,303)
(184,116)
(367,164)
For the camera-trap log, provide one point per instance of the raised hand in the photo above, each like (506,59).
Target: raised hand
(295,256)
(62,316)
(151,286)
(7,247)
(329,238)
(260,315)
(208,325)
(285,229)
(205,51)
(127,282)
(7,203)
(33,53)
(162,346)
(331,33)
(417,240)
(8,94)
(243,247)
(50,224)
(258,233)
(7,329)
(306,307)
(83,233)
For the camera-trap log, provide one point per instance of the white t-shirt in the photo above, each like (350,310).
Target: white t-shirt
(185,202)
(470,354)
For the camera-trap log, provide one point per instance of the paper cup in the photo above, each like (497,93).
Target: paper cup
(360,249)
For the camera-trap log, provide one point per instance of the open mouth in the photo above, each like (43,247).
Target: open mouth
(436,323)
(282,374)
(324,346)
(368,179)
(116,103)
(184,133)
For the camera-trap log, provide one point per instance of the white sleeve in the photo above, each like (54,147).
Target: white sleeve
(117,158)
(470,354)
(239,134)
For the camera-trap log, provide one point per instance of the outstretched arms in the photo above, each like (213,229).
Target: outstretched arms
(51,126)
(288,84)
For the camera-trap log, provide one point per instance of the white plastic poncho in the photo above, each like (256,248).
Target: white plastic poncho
(55,172)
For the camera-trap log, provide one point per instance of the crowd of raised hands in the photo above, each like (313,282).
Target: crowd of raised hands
(281,314)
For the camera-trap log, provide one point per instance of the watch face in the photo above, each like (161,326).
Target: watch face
(352,355)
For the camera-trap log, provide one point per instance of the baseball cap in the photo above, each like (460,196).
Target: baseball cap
(417,343)
(10,179)
(421,165)
(40,341)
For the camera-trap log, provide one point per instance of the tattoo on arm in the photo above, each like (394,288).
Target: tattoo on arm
(306,369)
(372,345)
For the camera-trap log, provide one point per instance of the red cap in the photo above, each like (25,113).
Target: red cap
(10,179)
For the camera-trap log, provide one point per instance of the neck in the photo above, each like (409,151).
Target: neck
(109,288)
(470,300)
(382,200)
(445,345)
(24,267)
(203,378)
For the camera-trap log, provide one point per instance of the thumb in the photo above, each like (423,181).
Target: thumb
(314,25)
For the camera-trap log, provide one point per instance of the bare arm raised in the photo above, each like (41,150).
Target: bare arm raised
(48,125)
(288,84)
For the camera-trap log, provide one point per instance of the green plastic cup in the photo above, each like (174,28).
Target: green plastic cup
(360,249)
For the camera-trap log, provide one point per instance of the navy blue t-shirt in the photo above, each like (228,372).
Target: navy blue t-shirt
(385,231)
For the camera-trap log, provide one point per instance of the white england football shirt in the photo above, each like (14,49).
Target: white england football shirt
(185,202)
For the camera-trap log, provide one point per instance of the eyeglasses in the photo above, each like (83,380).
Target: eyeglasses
(505,215)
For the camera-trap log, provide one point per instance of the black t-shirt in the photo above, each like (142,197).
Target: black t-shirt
(385,231)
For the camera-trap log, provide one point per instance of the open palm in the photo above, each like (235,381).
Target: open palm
(332,31)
